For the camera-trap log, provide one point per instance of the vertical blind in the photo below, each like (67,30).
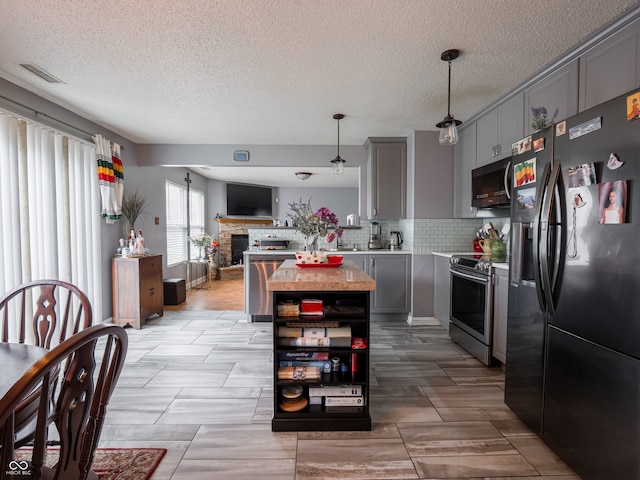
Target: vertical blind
(49,209)
(177,234)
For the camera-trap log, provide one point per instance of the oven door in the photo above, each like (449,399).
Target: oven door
(472,303)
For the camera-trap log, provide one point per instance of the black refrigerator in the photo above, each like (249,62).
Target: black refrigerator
(585,272)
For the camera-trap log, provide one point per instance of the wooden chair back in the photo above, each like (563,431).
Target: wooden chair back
(43,313)
(80,375)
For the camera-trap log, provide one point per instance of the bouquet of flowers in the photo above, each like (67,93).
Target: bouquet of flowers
(541,119)
(314,224)
(211,248)
(201,240)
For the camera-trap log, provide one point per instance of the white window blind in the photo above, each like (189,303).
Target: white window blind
(177,235)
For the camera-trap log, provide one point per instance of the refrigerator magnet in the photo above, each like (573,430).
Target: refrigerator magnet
(538,144)
(614,162)
(633,106)
(561,128)
(581,175)
(586,127)
(526,198)
(612,201)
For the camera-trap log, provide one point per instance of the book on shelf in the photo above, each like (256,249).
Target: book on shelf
(314,342)
(315,332)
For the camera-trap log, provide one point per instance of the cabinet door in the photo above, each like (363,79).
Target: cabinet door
(557,90)
(510,125)
(442,291)
(392,274)
(464,161)
(500,314)
(388,184)
(487,138)
(360,259)
(611,68)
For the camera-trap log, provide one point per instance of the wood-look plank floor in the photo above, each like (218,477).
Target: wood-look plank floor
(221,295)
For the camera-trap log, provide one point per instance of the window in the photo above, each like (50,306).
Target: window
(178,244)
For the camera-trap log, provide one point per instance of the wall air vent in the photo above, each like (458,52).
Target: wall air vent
(41,73)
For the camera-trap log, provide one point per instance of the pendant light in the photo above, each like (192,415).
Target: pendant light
(449,126)
(338,163)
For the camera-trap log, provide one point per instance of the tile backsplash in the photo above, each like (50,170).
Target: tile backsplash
(421,236)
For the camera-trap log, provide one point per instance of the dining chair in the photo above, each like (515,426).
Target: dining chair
(42,313)
(80,375)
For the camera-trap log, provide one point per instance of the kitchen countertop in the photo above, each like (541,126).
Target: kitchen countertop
(328,252)
(348,277)
(501,265)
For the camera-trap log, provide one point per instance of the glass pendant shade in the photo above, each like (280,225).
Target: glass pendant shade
(449,134)
(337,164)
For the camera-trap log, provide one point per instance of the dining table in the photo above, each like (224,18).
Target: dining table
(15,360)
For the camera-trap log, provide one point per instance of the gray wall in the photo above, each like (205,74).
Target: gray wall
(341,201)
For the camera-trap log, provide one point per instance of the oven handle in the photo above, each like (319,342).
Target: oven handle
(470,277)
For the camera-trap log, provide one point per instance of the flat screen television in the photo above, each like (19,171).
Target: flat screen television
(248,200)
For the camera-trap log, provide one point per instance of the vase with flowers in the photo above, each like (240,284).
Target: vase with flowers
(314,224)
(541,118)
(200,241)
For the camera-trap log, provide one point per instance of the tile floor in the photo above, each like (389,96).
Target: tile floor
(199,384)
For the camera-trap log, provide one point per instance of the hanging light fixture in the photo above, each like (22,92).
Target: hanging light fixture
(449,126)
(338,163)
(303,175)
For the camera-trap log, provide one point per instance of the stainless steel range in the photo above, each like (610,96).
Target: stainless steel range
(472,304)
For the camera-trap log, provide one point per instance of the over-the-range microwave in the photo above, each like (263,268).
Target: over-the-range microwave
(491,185)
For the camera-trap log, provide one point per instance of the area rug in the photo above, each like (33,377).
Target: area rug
(115,463)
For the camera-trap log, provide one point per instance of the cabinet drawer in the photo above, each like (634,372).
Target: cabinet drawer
(150,265)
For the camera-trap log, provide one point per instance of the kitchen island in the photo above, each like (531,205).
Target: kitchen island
(321,347)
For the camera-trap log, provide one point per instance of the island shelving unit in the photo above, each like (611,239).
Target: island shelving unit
(333,397)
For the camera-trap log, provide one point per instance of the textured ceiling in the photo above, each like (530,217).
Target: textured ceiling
(275,71)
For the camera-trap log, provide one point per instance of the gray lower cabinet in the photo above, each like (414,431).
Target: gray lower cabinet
(392,274)
(500,313)
(361,260)
(442,290)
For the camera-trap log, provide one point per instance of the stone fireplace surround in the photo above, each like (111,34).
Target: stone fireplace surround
(235,226)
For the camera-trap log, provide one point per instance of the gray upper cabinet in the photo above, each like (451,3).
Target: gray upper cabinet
(386,178)
(464,161)
(557,90)
(498,129)
(611,68)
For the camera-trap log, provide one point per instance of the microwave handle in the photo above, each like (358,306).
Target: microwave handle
(506,179)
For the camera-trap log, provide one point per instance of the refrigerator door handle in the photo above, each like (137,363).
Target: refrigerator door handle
(539,236)
(517,252)
(546,244)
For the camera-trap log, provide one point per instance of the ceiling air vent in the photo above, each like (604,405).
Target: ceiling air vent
(40,72)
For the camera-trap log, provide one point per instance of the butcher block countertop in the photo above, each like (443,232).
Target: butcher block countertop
(348,277)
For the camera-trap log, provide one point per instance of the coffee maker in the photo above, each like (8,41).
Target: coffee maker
(375,231)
